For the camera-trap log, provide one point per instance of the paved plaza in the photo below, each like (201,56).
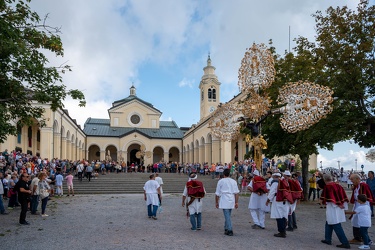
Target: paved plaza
(121,222)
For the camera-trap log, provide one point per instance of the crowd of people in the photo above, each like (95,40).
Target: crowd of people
(278,193)
(28,181)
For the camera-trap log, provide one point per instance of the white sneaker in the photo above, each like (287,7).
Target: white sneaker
(44,215)
(364,247)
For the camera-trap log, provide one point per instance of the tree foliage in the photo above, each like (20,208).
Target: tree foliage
(343,58)
(345,47)
(292,68)
(25,76)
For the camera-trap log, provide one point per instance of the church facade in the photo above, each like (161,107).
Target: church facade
(133,133)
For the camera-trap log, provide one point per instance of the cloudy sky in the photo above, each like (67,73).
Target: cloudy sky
(162,46)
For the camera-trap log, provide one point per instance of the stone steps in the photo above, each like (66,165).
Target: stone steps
(126,183)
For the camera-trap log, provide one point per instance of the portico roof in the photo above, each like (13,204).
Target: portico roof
(101,128)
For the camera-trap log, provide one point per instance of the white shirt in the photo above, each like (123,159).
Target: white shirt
(151,187)
(59,180)
(363,212)
(35,182)
(80,168)
(226,189)
(5,182)
(160,181)
(151,190)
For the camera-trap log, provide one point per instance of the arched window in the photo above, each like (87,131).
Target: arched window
(212,94)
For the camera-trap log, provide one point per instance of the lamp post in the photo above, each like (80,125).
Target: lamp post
(356,165)
(321,165)
(338,165)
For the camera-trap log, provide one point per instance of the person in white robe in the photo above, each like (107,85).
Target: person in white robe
(336,201)
(226,198)
(194,208)
(160,181)
(279,209)
(257,204)
(152,195)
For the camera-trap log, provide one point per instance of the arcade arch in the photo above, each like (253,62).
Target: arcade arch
(132,154)
(157,154)
(112,150)
(174,154)
(94,153)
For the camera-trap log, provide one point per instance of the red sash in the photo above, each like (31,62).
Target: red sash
(335,193)
(283,191)
(259,185)
(195,189)
(363,189)
(295,189)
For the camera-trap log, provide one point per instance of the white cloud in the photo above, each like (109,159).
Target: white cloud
(349,160)
(96,109)
(109,43)
(185,82)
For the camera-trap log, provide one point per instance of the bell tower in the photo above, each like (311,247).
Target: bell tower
(209,90)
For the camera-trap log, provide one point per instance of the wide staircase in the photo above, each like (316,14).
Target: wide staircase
(132,183)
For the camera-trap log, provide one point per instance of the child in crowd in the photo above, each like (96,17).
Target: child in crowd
(364,219)
(69,182)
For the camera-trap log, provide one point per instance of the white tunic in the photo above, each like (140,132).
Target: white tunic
(354,220)
(279,209)
(196,205)
(160,181)
(151,189)
(335,214)
(257,201)
(226,189)
(293,206)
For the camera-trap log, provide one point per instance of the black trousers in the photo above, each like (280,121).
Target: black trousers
(281,225)
(357,233)
(80,176)
(23,203)
(88,175)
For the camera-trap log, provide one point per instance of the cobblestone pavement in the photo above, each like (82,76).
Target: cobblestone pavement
(121,222)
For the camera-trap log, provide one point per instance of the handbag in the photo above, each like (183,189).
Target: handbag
(10,192)
(44,193)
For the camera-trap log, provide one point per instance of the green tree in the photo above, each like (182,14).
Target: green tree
(343,58)
(345,47)
(292,68)
(25,77)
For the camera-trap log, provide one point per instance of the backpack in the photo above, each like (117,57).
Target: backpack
(195,189)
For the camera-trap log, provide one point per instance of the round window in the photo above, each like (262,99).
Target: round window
(135,119)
